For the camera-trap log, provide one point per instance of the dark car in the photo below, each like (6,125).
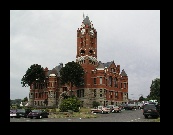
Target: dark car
(150,110)
(22,112)
(38,114)
(130,107)
(158,107)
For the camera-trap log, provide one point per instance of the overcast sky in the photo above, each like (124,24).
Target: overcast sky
(48,37)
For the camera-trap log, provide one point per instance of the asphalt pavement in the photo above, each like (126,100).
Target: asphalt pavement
(124,116)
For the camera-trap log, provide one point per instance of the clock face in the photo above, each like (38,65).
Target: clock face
(92,32)
(83,25)
(82,31)
(92,26)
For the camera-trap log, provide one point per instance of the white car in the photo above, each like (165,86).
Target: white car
(114,108)
(13,113)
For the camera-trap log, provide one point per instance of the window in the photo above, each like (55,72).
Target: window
(111,94)
(116,94)
(110,81)
(100,80)
(105,93)
(124,85)
(80,93)
(94,92)
(94,80)
(116,82)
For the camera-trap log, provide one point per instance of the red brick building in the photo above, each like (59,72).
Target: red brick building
(104,82)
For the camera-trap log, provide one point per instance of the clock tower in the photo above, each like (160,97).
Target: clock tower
(86,43)
(87,48)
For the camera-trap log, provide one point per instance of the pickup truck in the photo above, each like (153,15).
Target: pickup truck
(101,109)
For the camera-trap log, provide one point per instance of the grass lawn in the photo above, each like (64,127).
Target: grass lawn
(83,113)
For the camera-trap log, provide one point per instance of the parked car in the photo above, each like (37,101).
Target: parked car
(22,113)
(13,113)
(139,105)
(122,106)
(150,110)
(114,108)
(130,107)
(142,106)
(100,109)
(38,114)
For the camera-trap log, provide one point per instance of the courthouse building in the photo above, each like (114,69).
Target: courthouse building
(105,82)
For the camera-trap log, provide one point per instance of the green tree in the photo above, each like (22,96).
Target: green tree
(17,101)
(72,74)
(45,102)
(25,99)
(141,98)
(71,103)
(64,95)
(34,74)
(155,90)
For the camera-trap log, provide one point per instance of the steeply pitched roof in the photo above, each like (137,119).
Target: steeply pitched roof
(123,73)
(86,21)
(104,65)
(55,70)
(100,65)
(58,68)
(107,64)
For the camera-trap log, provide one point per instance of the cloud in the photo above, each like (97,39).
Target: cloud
(129,37)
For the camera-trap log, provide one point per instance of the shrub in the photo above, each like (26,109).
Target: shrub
(95,104)
(71,103)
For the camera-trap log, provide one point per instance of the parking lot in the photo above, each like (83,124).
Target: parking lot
(124,116)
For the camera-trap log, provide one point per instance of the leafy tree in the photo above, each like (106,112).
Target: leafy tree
(141,98)
(34,74)
(155,90)
(95,104)
(72,74)
(46,102)
(25,99)
(64,95)
(72,103)
(17,101)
